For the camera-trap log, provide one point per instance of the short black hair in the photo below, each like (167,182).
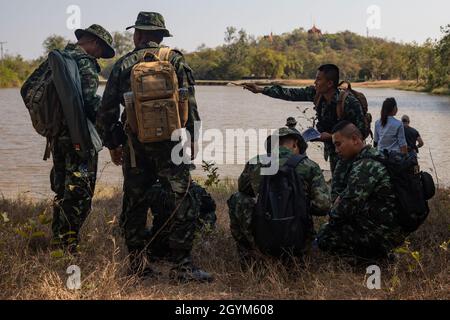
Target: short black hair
(301,143)
(347,128)
(331,71)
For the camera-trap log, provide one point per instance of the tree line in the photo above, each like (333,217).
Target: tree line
(292,55)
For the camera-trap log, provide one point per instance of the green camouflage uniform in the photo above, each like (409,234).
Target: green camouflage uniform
(72,178)
(161,206)
(363,222)
(242,203)
(326,113)
(153,159)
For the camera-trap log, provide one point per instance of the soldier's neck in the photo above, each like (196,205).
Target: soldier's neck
(328,96)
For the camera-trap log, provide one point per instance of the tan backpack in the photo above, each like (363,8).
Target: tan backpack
(158,108)
(340,110)
(362,100)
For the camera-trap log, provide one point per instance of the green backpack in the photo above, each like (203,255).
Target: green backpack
(43,104)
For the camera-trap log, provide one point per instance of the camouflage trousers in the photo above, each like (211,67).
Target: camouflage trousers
(153,163)
(241,207)
(73,180)
(204,203)
(366,240)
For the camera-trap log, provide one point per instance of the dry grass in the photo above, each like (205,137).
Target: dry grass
(29,271)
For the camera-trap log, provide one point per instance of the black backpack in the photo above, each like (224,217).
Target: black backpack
(412,187)
(281,219)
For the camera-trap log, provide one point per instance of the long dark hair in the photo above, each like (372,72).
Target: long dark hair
(388,106)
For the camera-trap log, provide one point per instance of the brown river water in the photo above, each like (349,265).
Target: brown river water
(23,171)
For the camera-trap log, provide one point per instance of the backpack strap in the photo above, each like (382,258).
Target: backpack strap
(340,110)
(317,100)
(48,148)
(164,53)
(294,160)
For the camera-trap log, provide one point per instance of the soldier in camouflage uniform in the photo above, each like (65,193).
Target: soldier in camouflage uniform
(73,178)
(362,220)
(153,159)
(326,87)
(242,203)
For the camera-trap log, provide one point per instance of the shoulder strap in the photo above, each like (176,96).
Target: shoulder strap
(340,110)
(164,53)
(294,160)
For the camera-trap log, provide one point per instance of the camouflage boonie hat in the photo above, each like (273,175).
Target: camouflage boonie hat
(284,132)
(151,21)
(103,35)
(291,122)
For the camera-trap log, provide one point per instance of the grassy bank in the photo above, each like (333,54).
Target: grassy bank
(29,269)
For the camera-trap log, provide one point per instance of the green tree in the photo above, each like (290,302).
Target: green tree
(54,42)
(123,42)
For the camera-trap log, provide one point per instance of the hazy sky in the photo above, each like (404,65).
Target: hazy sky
(25,24)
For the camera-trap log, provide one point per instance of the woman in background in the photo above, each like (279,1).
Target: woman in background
(389,132)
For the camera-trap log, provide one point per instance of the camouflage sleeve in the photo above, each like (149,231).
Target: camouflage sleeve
(338,182)
(186,84)
(109,112)
(89,85)
(245,181)
(290,94)
(319,192)
(353,113)
(361,183)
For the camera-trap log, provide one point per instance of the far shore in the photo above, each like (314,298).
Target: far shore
(407,85)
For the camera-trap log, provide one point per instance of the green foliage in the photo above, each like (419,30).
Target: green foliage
(212,173)
(14,70)
(123,42)
(298,54)
(54,42)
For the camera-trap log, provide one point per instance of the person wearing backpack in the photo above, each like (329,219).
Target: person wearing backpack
(363,221)
(302,192)
(332,105)
(74,171)
(156,86)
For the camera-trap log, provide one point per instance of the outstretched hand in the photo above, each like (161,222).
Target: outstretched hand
(252,87)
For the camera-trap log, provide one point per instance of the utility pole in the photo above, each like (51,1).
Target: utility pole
(1,49)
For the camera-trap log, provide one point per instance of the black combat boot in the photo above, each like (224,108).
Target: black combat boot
(185,271)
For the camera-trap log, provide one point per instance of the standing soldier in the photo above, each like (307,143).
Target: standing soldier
(144,163)
(73,178)
(326,95)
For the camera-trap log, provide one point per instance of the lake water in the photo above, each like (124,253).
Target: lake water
(23,171)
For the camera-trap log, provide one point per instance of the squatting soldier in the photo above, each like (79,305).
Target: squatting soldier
(361,222)
(153,160)
(242,204)
(325,94)
(73,178)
